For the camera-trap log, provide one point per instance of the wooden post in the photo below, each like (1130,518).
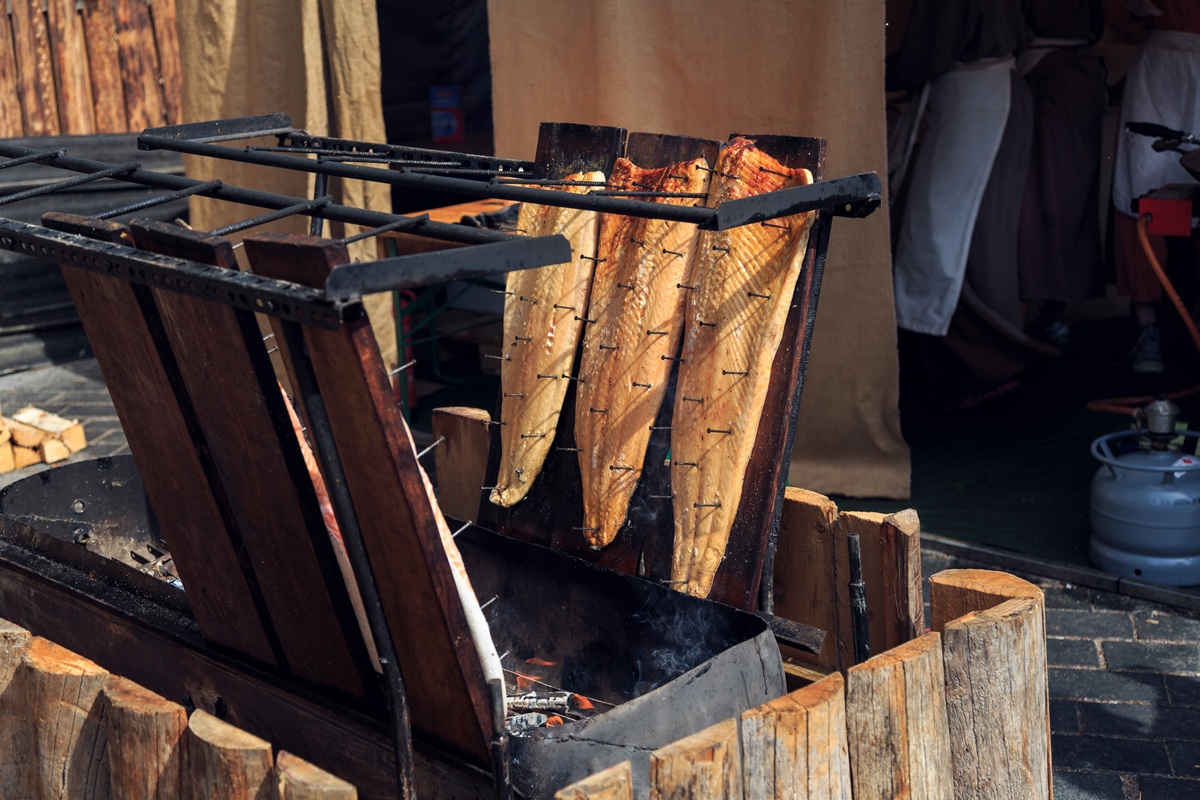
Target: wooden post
(14,731)
(223,761)
(997,704)
(296,779)
(795,746)
(996,683)
(613,783)
(53,744)
(896,720)
(900,551)
(145,742)
(460,462)
(805,580)
(703,766)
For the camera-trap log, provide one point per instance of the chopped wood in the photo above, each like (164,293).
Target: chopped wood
(997,704)
(53,742)
(460,462)
(896,720)
(5,432)
(23,434)
(7,461)
(51,451)
(956,592)
(223,761)
(703,766)
(13,642)
(145,742)
(25,456)
(613,783)
(795,746)
(296,779)
(68,431)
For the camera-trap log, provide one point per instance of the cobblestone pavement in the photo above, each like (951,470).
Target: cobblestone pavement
(1124,672)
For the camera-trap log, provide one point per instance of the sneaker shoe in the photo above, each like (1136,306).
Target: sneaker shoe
(1056,334)
(1147,353)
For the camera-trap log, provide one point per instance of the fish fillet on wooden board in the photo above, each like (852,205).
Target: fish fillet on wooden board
(636,326)
(543,323)
(745,278)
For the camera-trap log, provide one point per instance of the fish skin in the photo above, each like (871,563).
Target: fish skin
(624,318)
(554,334)
(741,334)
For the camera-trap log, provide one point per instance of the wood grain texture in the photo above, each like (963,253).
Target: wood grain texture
(896,722)
(104,65)
(145,742)
(805,574)
(35,68)
(12,122)
(611,783)
(956,592)
(296,779)
(139,65)
(460,462)
(125,331)
(900,557)
(226,762)
(228,378)
(166,39)
(442,670)
(996,699)
(703,766)
(15,734)
(13,642)
(55,718)
(71,78)
(795,746)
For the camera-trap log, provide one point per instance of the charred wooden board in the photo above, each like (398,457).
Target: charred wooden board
(442,671)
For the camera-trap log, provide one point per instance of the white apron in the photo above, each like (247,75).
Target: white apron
(966,114)
(1163,87)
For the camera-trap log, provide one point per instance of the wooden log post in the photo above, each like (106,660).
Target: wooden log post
(145,742)
(14,730)
(896,721)
(460,462)
(53,742)
(296,779)
(795,746)
(224,761)
(996,683)
(613,783)
(703,766)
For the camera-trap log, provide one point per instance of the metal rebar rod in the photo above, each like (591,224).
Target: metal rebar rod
(290,211)
(320,188)
(50,188)
(356,551)
(623,193)
(858,601)
(399,224)
(32,158)
(158,201)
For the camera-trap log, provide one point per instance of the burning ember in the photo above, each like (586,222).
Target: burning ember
(532,703)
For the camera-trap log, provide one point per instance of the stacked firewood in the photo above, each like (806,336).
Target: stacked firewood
(34,436)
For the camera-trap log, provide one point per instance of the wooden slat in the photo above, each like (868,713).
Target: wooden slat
(139,65)
(145,742)
(900,555)
(35,70)
(896,722)
(166,36)
(703,766)
(225,762)
(954,593)
(52,709)
(442,672)
(996,699)
(125,332)
(795,746)
(460,462)
(12,123)
(224,367)
(805,578)
(611,783)
(296,779)
(71,78)
(104,65)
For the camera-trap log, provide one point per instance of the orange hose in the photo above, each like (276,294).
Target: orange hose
(1130,405)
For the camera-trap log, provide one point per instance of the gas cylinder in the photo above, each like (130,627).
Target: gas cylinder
(1145,507)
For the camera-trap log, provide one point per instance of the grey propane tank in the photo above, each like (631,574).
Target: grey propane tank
(1145,508)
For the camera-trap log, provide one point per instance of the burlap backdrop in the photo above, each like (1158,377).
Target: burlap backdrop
(317,61)
(702,68)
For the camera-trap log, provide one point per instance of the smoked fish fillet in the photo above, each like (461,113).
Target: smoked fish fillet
(634,331)
(543,322)
(744,278)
